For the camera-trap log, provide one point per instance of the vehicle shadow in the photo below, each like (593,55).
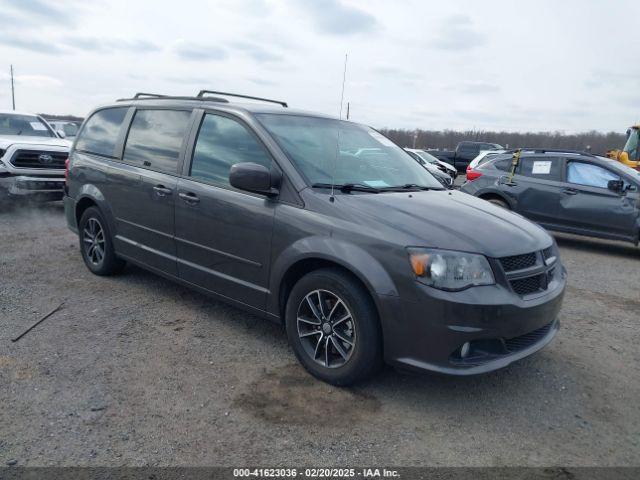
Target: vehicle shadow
(389,384)
(596,245)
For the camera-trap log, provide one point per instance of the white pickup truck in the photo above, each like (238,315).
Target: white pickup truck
(32,157)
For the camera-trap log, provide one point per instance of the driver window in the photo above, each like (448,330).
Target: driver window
(223,142)
(589,175)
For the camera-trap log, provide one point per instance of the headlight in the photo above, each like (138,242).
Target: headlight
(449,270)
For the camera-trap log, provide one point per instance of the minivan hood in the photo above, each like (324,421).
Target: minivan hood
(447,219)
(8,140)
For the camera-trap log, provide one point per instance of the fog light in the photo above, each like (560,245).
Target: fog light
(464,350)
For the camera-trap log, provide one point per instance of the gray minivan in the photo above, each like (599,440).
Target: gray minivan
(364,258)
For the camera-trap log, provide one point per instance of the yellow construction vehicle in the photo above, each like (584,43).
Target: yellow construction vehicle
(630,154)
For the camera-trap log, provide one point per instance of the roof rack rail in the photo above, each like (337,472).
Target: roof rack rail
(147,95)
(155,96)
(551,150)
(202,93)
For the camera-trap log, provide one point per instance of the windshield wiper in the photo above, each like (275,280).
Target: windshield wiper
(411,186)
(349,187)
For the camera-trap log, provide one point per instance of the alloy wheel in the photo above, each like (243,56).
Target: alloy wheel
(93,241)
(326,328)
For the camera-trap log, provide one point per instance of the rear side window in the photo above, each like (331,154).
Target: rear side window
(223,142)
(155,139)
(100,133)
(504,164)
(544,168)
(468,148)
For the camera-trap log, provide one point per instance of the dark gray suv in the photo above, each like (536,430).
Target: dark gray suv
(566,191)
(322,224)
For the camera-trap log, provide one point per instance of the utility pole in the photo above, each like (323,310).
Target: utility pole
(13,95)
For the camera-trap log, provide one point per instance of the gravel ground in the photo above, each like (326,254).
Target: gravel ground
(136,370)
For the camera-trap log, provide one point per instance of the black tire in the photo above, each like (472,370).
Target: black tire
(107,263)
(499,203)
(364,356)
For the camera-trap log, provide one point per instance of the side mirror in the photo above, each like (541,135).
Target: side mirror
(61,133)
(253,177)
(615,186)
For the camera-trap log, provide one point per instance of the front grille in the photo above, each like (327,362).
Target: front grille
(518,262)
(524,341)
(548,253)
(529,285)
(39,159)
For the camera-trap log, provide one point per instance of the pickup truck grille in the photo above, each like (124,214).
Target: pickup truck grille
(39,159)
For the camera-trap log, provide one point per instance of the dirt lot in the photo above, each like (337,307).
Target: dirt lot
(136,370)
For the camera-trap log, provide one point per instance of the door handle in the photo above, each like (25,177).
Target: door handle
(190,198)
(570,191)
(162,191)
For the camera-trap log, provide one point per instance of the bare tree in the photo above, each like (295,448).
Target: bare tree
(596,142)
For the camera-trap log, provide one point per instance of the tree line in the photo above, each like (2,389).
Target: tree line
(596,142)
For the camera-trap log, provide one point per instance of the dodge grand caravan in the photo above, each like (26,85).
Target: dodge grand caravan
(364,258)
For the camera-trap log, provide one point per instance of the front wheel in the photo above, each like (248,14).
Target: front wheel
(332,326)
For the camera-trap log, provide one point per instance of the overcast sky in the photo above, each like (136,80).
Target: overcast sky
(568,65)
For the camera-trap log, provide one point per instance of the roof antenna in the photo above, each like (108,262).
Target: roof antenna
(333,174)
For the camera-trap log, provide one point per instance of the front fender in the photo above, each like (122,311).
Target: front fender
(348,255)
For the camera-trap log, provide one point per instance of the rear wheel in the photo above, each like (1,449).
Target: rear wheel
(332,326)
(96,244)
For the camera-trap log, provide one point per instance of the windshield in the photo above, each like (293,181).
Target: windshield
(329,151)
(29,125)
(631,147)
(622,168)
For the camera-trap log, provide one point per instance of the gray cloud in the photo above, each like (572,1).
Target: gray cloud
(110,45)
(257,52)
(30,43)
(42,9)
(8,20)
(457,33)
(331,16)
(195,51)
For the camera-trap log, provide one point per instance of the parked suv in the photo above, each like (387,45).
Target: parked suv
(322,224)
(572,192)
(31,158)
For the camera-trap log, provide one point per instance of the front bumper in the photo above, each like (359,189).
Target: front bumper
(500,327)
(39,187)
